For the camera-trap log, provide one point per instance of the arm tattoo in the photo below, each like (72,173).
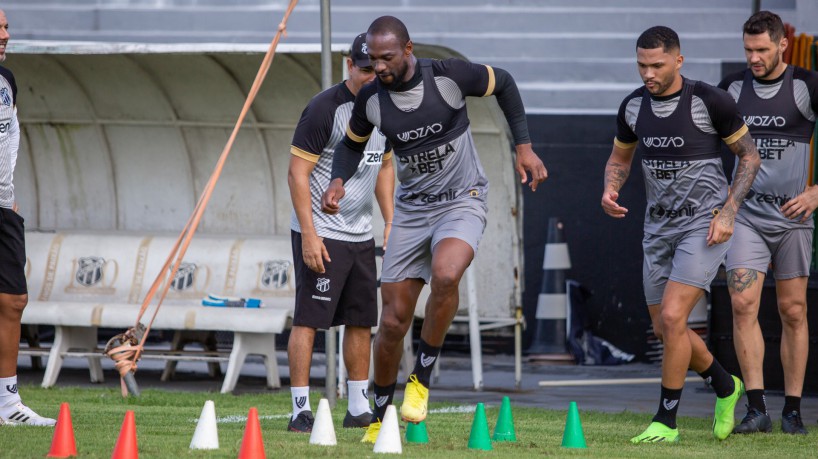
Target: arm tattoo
(739,280)
(616,174)
(748,165)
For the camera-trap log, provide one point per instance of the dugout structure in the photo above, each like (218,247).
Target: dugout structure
(123,137)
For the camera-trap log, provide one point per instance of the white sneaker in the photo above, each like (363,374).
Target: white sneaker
(19,414)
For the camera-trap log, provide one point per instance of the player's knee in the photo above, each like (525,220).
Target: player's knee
(793,313)
(12,306)
(393,326)
(445,281)
(301,339)
(672,321)
(744,306)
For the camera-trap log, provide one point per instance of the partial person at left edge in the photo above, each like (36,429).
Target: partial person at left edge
(13,288)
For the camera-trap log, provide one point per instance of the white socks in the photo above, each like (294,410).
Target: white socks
(12,410)
(301,399)
(8,391)
(358,397)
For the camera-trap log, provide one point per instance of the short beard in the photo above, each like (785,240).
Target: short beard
(397,81)
(390,86)
(773,65)
(663,86)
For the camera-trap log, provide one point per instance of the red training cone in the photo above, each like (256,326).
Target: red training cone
(63,443)
(125,447)
(252,446)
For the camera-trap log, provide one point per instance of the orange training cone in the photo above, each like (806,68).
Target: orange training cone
(63,443)
(125,447)
(252,446)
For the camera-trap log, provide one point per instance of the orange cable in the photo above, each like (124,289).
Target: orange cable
(126,355)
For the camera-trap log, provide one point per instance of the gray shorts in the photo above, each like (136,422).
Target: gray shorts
(414,235)
(682,257)
(790,251)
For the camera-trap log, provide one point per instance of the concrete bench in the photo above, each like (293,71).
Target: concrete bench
(81,282)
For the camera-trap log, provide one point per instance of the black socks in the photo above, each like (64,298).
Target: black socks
(791,404)
(756,399)
(668,406)
(383,398)
(719,379)
(425,362)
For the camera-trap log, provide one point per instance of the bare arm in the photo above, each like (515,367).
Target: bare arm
(721,228)
(385,194)
(617,171)
(312,247)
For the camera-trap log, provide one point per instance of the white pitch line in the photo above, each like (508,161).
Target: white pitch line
(235,419)
(608,382)
(454,409)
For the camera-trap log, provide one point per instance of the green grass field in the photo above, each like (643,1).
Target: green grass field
(165,422)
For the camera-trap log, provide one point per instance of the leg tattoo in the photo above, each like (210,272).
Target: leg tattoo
(739,280)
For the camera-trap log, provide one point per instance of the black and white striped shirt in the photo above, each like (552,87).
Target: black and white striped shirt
(321,128)
(9,136)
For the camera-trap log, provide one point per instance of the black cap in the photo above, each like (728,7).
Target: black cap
(358,52)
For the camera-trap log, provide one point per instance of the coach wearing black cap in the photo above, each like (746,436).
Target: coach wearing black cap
(360,57)
(334,255)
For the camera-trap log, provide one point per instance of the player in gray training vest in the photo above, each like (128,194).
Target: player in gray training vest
(13,288)
(440,209)
(677,125)
(779,103)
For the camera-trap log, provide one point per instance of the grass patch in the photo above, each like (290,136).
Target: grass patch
(165,422)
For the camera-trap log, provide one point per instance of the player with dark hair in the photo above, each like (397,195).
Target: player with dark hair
(440,209)
(678,125)
(780,104)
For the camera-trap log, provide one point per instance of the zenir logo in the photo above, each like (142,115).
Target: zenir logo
(660,212)
(766,198)
(374,157)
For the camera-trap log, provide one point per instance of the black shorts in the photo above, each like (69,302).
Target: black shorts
(345,294)
(12,253)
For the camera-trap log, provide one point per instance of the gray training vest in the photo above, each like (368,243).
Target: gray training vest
(436,158)
(684,179)
(782,135)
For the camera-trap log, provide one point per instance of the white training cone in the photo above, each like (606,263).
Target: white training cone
(206,436)
(323,432)
(389,437)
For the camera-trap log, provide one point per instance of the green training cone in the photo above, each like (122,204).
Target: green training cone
(504,429)
(416,433)
(573,436)
(479,438)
